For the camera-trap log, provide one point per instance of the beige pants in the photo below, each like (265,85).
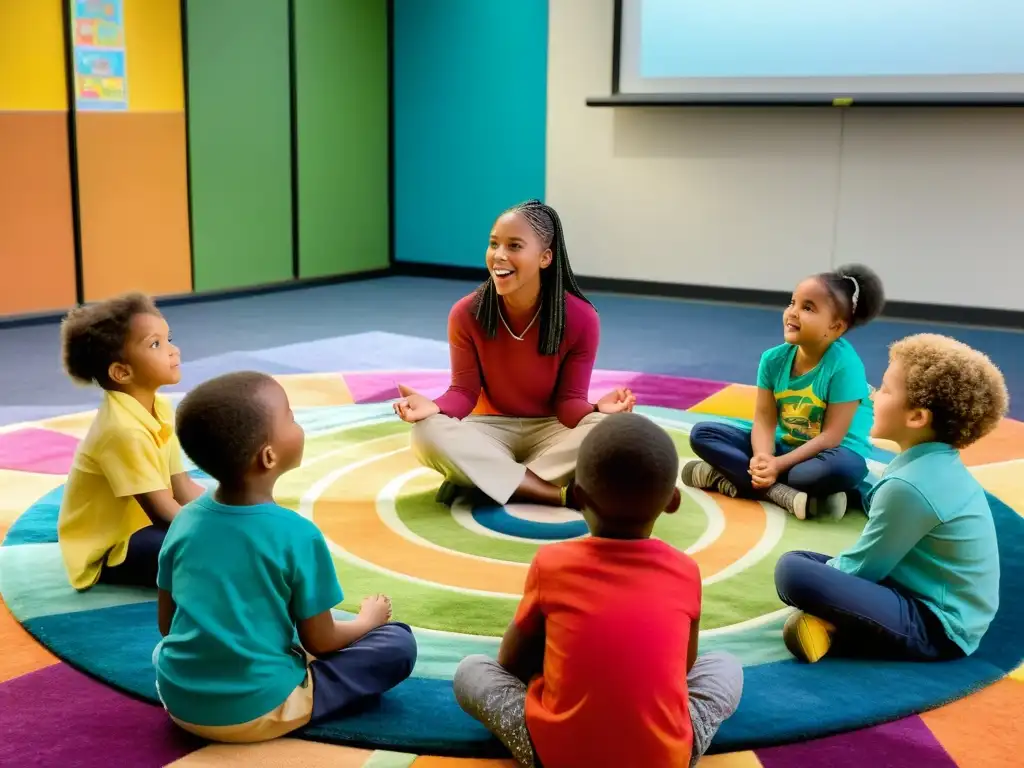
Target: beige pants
(492,453)
(294,713)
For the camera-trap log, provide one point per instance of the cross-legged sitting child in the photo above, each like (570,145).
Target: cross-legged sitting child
(599,666)
(246,587)
(922,582)
(809,441)
(127,481)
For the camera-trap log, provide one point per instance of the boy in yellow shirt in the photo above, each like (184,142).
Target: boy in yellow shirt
(127,481)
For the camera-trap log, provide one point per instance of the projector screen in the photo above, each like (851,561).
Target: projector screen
(955,51)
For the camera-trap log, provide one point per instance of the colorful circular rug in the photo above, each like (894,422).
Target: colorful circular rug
(456,574)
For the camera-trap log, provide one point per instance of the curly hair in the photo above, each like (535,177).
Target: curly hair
(223,423)
(857,292)
(93,336)
(964,391)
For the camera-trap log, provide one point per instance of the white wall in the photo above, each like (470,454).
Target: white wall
(933,199)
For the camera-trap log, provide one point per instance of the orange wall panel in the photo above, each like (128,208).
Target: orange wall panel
(37,252)
(133,203)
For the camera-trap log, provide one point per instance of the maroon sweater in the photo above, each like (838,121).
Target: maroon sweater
(506,377)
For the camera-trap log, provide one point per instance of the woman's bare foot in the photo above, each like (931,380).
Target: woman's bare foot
(538,491)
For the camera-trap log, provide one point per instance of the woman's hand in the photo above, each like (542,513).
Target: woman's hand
(413,406)
(619,400)
(764,471)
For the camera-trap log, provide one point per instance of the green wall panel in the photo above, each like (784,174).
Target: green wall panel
(239,107)
(341,82)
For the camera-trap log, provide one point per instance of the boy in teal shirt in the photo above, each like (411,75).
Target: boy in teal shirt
(251,650)
(922,582)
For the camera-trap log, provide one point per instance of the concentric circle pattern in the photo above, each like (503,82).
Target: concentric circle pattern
(455,574)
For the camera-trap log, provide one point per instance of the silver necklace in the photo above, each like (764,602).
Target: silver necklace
(525,330)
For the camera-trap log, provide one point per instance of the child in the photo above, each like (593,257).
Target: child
(243,582)
(127,481)
(809,441)
(599,666)
(922,582)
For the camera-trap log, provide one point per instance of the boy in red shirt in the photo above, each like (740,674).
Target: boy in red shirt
(599,666)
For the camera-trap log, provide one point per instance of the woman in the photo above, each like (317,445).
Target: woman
(522,353)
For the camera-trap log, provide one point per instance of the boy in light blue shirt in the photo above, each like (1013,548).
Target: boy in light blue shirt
(922,582)
(251,650)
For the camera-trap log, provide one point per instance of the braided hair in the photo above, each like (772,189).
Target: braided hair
(554,281)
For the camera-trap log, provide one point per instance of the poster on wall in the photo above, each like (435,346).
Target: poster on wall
(101,76)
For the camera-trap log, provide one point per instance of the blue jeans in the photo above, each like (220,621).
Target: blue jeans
(727,448)
(872,620)
(373,664)
(140,563)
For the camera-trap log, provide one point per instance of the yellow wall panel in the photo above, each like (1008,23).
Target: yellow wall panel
(32,73)
(152,30)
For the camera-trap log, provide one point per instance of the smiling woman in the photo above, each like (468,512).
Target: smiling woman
(523,347)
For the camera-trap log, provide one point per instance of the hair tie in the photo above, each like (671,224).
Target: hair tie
(856,292)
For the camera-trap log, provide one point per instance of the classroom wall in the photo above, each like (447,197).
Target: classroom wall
(251,68)
(489,109)
(240,56)
(132,179)
(37,257)
(758,198)
(341,100)
(470,81)
(240,142)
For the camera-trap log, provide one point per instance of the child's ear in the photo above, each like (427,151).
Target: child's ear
(674,502)
(268,459)
(120,373)
(546,258)
(919,418)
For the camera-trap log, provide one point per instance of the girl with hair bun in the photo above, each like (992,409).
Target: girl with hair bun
(809,443)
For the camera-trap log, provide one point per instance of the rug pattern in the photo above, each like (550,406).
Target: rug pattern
(474,559)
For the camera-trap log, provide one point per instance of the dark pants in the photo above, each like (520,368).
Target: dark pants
(871,620)
(140,564)
(373,664)
(727,448)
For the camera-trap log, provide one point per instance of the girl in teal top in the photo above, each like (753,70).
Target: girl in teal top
(809,441)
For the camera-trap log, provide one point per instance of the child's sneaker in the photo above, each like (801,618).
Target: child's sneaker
(790,499)
(832,507)
(700,474)
(807,637)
